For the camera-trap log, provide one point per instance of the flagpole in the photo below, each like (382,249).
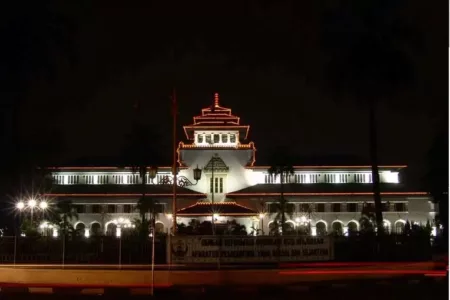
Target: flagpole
(174,164)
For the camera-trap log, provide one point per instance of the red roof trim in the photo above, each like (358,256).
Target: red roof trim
(332,194)
(335,167)
(124,195)
(103,168)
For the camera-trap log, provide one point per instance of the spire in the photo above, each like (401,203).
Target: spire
(216,100)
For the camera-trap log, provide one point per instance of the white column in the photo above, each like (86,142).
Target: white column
(86,232)
(345,230)
(118,231)
(313,231)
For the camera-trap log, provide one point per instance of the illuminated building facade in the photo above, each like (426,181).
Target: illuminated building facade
(324,198)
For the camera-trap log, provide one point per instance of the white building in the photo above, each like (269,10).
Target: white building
(326,197)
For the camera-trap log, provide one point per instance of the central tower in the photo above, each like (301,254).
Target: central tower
(217,145)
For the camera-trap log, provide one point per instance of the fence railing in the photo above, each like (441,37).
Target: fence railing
(136,250)
(95,250)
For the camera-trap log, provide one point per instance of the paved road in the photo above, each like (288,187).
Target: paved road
(404,288)
(430,265)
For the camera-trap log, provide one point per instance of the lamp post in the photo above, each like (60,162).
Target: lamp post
(21,206)
(31,204)
(197,173)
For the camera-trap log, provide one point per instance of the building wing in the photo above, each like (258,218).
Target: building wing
(111,190)
(324,189)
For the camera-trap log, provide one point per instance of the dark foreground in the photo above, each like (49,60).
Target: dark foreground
(406,288)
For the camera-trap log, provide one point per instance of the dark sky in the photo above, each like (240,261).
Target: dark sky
(122,57)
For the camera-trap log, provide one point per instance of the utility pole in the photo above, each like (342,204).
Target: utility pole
(174,164)
(212,195)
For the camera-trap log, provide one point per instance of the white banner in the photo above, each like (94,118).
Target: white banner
(210,249)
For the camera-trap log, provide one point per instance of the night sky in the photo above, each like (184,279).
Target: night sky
(265,61)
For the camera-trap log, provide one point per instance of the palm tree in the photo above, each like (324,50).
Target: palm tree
(367,219)
(436,178)
(144,206)
(65,214)
(140,153)
(283,208)
(367,46)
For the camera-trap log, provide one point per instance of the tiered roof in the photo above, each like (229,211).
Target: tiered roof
(216,117)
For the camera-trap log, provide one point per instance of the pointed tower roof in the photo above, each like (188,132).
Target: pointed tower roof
(217,164)
(216,117)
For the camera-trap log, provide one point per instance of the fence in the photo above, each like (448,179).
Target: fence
(95,250)
(382,248)
(135,250)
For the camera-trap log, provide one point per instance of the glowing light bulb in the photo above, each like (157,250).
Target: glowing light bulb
(32,203)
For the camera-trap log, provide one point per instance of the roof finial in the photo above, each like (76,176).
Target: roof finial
(216,100)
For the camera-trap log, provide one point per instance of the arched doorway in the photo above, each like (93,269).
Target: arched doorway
(337,228)
(273,228)
(321,228)
(96,229)
(352,228)
(399,226)
(79,229)
(111,229)
(289,227)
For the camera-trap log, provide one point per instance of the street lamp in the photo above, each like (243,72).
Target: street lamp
(31,204)
(197,172)
(20,205)
(43,205)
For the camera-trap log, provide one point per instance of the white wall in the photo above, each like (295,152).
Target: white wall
(237,177)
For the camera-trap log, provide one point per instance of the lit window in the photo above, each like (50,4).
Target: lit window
(224,138)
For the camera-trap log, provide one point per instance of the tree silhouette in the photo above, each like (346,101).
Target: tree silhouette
(436,178)
(281,167)
(141,151)
(366,44)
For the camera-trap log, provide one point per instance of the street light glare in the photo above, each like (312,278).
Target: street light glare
(43,205)
(20,205)
(32,203)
